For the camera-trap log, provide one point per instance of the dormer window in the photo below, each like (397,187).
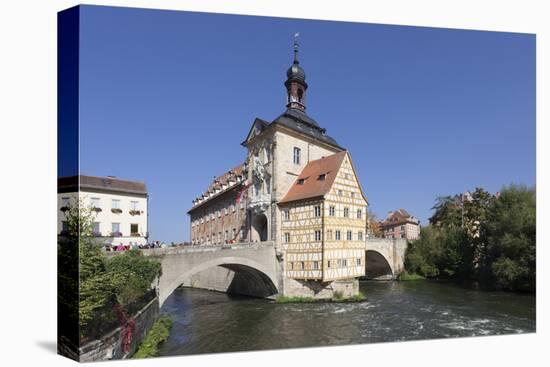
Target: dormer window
(301,181)
(322,176)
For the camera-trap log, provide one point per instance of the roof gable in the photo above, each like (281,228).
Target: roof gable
(310,184)
(258,126)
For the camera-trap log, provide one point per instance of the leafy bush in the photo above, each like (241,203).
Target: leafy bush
(158,334)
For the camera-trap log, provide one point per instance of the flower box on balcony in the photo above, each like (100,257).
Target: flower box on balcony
(96,234)
(116,234)
(116,210)
(135,212)
(135,234)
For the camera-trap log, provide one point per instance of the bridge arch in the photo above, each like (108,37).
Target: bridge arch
(377,266)
(250,277)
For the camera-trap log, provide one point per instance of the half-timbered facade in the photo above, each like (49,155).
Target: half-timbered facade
(324,222)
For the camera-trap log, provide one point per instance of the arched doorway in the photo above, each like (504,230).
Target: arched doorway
(377,267)
(259,228)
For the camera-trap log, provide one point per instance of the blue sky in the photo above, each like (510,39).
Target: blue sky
(167,97)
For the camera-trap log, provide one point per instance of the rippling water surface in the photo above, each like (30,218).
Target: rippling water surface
(209,322)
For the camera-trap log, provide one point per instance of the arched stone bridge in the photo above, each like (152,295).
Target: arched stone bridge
(254,269)
(248,269)
(385,258)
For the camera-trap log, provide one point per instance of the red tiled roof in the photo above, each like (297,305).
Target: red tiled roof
(312,186)
(397,217)
(223,179)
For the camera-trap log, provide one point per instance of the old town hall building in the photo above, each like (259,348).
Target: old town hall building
(298,189)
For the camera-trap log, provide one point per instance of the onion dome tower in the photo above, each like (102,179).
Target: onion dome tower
(295,83)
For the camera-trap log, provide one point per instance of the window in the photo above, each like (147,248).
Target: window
(115,204)
(328,264)
(219,214)
(287,237)
(352,195)
(346,176)
(360,236)
(95,202)
(234,233)
(340,193)
(317,235)
(302,265)
(317,211)
(337,235)
(286,214)
(233,208)
(226,235)
(316,265)
(115,227)
(65,202)
(64,226)
(219,237)
(296,158)
(331,211)
(301,181)
(344,262)
(346,212)
(359,213)
(358,261)
(349,235)
(134,228)
(95,227)
(329,234)
(322,177)
(134,205)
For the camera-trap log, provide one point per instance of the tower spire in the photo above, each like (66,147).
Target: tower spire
(296,35)
(295,84)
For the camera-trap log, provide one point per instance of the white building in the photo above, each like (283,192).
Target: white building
(119,206)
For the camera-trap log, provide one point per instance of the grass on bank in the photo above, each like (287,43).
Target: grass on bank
(158,334)
(337,298)
(407,277)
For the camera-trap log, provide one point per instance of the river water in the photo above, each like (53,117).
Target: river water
(210,322)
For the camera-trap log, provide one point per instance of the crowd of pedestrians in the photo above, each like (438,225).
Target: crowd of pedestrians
(136,246)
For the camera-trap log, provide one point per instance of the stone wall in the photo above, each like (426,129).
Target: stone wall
(319,290)
(110,345)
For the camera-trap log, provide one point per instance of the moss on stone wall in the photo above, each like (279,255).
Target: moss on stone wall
(158,334)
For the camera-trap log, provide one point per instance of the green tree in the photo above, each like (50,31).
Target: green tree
(95,285)
(132,275)
(511,239)
(423,254)
(476,212)
(447,212)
